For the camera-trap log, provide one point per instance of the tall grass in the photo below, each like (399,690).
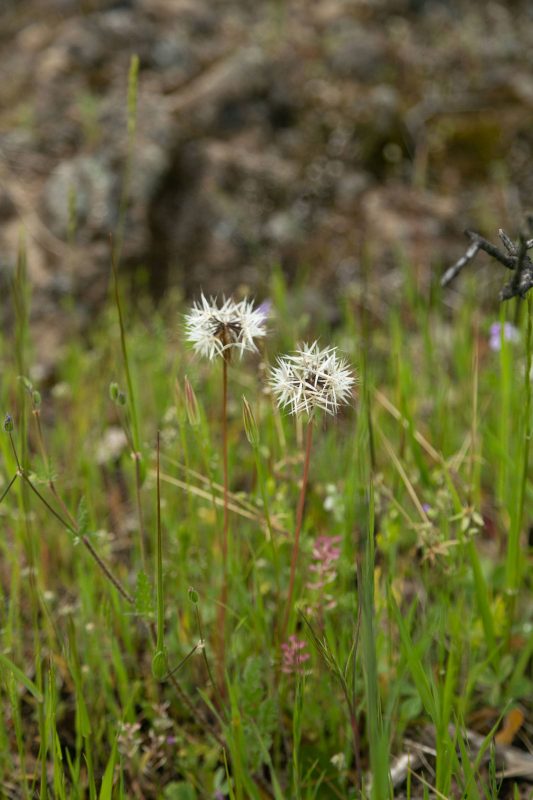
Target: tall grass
(422,636)
(421,633)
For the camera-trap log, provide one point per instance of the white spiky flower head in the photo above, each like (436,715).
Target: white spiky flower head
(217,330)
(311,379)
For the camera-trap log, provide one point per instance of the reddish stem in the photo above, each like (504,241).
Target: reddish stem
(299,520)
(225,468)
(225,532)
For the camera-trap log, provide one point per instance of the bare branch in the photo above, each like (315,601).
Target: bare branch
(516,259)
(492,250)
(508,243)
(454,270)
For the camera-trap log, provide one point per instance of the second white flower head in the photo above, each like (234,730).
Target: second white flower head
(312,378)
(215,330)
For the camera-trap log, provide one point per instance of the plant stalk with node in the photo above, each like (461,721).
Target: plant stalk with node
(308,381)
(214,331)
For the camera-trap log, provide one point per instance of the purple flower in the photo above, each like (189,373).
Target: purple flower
(510,334)
(265,308)
(293,656)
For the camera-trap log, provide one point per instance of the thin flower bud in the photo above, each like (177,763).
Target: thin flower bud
(113,391)
(36,398)
(191,404)
(8,423)
(193,595)
(250,425)
(180,402)
(121,398)
(27,383)
(159,665)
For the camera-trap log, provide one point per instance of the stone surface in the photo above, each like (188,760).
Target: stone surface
(289,133)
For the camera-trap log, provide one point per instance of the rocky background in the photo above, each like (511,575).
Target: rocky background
(331,136)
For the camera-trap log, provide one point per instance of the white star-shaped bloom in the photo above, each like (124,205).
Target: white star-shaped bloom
(312,379)
(215,330)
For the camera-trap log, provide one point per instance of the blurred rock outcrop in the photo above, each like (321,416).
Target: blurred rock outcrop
(282,132)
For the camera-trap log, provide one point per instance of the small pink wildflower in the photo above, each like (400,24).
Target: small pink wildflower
(293,656)
(326,553)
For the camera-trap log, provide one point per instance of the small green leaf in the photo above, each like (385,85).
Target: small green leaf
(106,788)
(82,517)
(21,677)
(179,790)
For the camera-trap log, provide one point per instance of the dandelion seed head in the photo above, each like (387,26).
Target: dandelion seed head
(311,379)
(216,330)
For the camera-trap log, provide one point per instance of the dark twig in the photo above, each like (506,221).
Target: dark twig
(454,270)
(491,249)
(516,259)
(507,242)
(514,286)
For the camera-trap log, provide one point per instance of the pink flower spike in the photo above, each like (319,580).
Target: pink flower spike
(293,656)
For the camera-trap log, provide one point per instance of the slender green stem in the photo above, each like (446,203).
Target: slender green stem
(142,532)
(183,661)
(50,508)
(159,577)
(131,395)
(86,541)
(8,487)
(299,520)
(48,466)
(262,488)
(15,452)
(107,572)
(133,91)
(204,654)
(135,435)
(159,661)
(527,412)
(513,551)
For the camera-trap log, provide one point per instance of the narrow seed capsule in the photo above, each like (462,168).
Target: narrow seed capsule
(191,404)
(113,391)
(159,665)
(250,425)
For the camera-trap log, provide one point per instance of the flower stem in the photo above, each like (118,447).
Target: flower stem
(8,487)
(159,555)
(83,538)
(225,532)
(225,468)
(138,483)
(299,520)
